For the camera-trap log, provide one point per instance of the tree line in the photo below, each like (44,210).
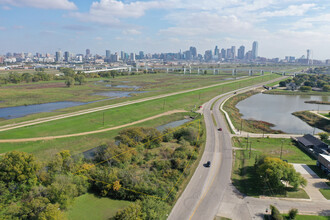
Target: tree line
(143,160)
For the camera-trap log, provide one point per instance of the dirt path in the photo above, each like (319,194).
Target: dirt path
(91,132)
(322,116)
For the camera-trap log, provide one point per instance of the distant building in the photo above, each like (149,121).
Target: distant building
(2,59)
(254,50)
(141,55)
(88,53)
(132,57)
(241,52)
(208,55)
(193,52)
(233,52)
(58,56)
(291,86)
(67,56)
(107,54)
(223,53)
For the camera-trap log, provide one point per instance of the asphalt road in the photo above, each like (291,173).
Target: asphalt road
(204,193)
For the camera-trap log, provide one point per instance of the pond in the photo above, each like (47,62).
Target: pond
(173,124)
(21,111)
(278,109)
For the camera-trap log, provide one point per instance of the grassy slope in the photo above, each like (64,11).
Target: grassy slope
(288,92)
(309,217)
(244,177)
(313,120)
(45,149)
(88,206)
(123,115)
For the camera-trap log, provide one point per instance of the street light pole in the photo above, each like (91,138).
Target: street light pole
(281,149)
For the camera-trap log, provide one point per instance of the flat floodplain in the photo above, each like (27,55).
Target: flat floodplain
(126,114)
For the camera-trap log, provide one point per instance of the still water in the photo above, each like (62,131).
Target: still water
(278,109)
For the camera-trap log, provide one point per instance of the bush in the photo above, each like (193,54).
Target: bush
(275,214)
(326,88)
(293,213)
(305,88)
(324,136)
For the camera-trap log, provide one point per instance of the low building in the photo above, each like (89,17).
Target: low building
(292,86)
(313,145)
(323,161)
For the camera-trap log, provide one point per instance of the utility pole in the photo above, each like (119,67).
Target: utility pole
(281,149)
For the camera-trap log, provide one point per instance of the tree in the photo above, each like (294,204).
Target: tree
(18,167)
(134,211)
(81,79)
(274,170)
(324,136)
(275,214)
(326,88)
(67,72)
(305,88)
(282,84)
(14,78)
(293,213)
(69,81)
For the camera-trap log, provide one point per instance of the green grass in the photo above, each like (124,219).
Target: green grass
(326,115)
(89,206)
(244,176)
(308,217)
(325,193)
(125,114)
(46,149)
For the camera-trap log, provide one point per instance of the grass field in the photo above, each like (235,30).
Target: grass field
(53,91)
(244,176)
(325,193)
(326,115)
(125,114)
(88,206)
(308,217)
(46,149)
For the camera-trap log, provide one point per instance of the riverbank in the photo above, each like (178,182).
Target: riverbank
(289,92)
(317,102)
(252,126)
(313,120)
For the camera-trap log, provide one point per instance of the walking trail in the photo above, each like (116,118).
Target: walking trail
(90,132)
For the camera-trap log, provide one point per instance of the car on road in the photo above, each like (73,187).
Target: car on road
(219,129)
(207,164)
(235,92)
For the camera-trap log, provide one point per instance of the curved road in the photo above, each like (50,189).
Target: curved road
(203,195)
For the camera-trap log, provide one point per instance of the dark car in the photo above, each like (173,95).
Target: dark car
(207,164)
(219,129)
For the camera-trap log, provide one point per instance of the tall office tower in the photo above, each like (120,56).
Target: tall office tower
(141,55)
(107,54)
(193,52)
(122,55)
(223,53)
(208,55)
(254,50)
(241,52)
(66,56)
(228,53)
(216,51)
(58,56)
(132,58)
(88,52)
(233,52)
(308,54)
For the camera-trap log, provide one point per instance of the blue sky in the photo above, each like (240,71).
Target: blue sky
(282,27)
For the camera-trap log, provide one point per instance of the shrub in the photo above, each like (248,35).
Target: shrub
(293,213)
(275,214)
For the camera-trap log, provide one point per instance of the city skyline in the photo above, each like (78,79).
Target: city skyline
(283,28)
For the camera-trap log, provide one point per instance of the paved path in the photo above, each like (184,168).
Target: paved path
(90,132)
(322,116)
(314,182)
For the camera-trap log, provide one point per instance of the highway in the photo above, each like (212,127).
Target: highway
(203,195)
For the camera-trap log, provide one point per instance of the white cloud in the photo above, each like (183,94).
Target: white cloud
(292,10)
(43,4)
(131,32)
(99,38)
(6,8)
(2,28)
